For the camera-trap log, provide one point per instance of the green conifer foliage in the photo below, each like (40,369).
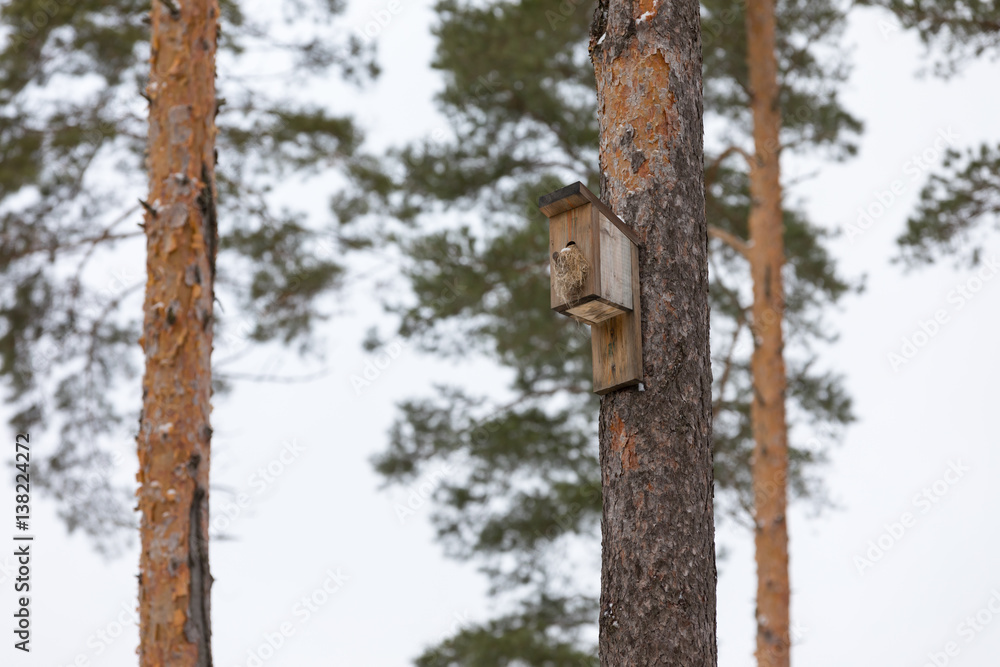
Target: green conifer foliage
(961,202)
(960,30)
(956,208)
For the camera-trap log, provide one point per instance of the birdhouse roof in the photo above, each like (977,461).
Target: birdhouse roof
(575,195)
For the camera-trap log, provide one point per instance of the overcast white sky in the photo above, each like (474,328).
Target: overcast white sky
(929,424)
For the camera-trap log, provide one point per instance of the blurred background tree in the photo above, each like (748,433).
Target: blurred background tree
(525,499)
(175,434)
(73,137)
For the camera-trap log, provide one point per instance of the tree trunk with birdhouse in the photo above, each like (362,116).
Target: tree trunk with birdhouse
(658,560)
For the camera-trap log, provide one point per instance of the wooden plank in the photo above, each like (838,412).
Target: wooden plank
(573,225)
(615,220)
(595,256)
(594,311)
(616,263)
(562,200)
(577,194)
(616,344)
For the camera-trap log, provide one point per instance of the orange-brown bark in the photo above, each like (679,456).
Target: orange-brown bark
(766,256)
(174,432)
(658,571)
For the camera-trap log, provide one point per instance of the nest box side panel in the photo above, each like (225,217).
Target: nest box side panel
(616,263)
(575,225)
(616,343)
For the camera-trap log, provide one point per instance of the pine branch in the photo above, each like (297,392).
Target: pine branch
(712,170)
(284,379)
(730,239)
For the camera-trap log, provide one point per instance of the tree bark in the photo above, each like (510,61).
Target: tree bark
(174,432)
(658,573)
(767,257)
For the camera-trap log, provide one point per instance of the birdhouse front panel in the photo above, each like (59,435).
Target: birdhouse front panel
(591,265)
(572,234)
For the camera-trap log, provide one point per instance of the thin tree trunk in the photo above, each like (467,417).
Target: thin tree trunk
(658,572)
(174,432)
(767,257)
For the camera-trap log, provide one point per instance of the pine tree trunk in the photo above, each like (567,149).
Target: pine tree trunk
(174,432)
(658,572)
(767,412)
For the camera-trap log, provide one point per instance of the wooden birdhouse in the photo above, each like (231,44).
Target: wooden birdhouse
(594,261)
